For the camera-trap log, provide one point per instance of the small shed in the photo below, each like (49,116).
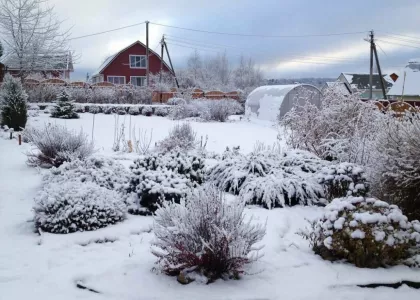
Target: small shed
(271,102)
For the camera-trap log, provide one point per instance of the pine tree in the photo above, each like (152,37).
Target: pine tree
(13,103)
(64,108)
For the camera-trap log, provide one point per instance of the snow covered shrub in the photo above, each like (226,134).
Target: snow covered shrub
(13,103)
(280,189)
(79,108)
(342,129)
(33,107)
(147,111)
(73,206)
(366,232)
(205,235)
(343,179)
(108,110)
(161,111)
(49,109)
(181,137)
(134,110)
(55,145)
(396,168)
(184,111)
(220,110)
(120,110)
(156,178)
(102,171)
(176,101)
(94,109)
(64,107)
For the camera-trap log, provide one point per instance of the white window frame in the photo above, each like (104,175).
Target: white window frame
(134,55)
(144,78)
(107,78)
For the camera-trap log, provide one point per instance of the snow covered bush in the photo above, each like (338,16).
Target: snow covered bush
(279,189)
(134,110)
(205,235)
(343,179)
(156,178)
(13,103)
(220,110)
(55,145)
(176,101)
(79,108)
(147,111)
(366,232)
(108,110)
(94,109)
(161,111)
(102,171)
(64,108)
(73,206)
(342,129)
(181,137)
(120,110)
(396,169)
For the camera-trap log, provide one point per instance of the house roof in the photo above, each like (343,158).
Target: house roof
(338,86)
(361,80)
(409,80)
(111,58)
(49,62)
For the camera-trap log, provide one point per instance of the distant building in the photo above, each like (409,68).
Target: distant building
(54,65)
(360,82)
(407,86)
(337,86)
(129,66)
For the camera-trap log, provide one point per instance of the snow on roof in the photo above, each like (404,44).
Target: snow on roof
(361,80)
(104,64)
(411,84)
(338,86)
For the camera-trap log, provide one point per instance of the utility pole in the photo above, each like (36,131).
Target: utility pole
(371,35)
(379,71)
(170,62)
(147,53)
(162,42)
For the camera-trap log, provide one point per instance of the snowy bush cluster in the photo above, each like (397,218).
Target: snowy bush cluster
(104,172)
(64,107)
(182,137)
(205,237)
(157,178)
(55,145)
(364,231)
(73,206)
(278,179)
(207,110)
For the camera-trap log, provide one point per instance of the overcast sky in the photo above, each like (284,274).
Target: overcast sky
(278,57)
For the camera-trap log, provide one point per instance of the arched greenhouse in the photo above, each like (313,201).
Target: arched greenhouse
(271,102)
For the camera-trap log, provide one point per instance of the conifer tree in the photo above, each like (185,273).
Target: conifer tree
(64,107)
(13,103)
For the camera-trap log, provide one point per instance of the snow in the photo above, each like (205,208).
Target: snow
(117,261)
(220,135)
(410,85)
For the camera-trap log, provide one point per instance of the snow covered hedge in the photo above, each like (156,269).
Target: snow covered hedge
(205,236)
(181,137)
(55,145)
(104,172)
(157,178)
(208,110)
(365,232)
(73,206)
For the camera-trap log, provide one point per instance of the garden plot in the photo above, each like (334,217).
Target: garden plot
(220,135)
(116,262)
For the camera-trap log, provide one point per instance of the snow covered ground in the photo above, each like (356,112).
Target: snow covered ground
(116,261)
(220,135)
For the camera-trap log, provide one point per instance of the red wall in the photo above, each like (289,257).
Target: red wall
(120,66)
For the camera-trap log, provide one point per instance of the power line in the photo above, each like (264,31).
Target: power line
(102,32)
(402,35)
(410,46)
(401,40)
(313,57)
(259,35)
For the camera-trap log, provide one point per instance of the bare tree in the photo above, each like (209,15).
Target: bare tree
(32,35)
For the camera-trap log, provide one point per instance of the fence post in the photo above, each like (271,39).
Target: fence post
(20,139)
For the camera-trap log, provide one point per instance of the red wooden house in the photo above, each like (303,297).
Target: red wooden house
(129,66)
